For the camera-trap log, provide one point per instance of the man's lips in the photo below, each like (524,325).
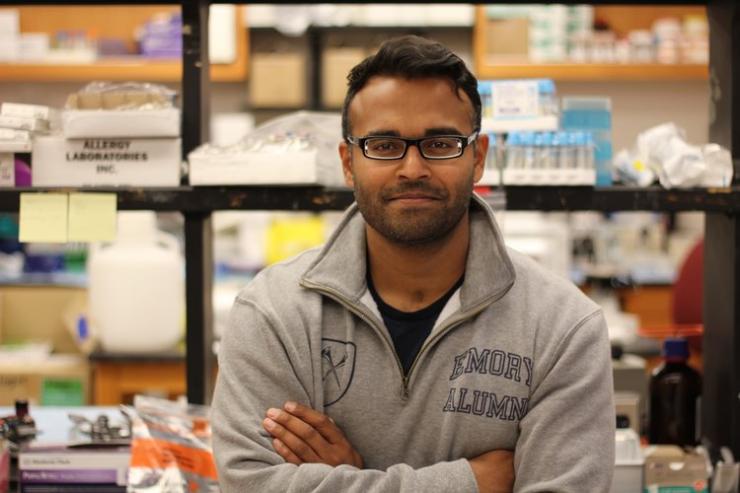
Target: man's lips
(414,196)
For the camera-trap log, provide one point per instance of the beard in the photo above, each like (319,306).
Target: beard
(414,226)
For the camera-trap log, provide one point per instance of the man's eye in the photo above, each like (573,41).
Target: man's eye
(440,144)
(384,145)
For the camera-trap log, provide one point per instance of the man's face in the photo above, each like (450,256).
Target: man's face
(413,200)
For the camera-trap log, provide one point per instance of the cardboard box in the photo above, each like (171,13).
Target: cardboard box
(59,380)
(278,80)
(337,62)
(507,39)
(24,123)
(84,123)
(668,468)
(21,320)
(108,162)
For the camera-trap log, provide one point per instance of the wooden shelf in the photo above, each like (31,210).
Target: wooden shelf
(592,71)
(117,70)
(622,19)
(52,19)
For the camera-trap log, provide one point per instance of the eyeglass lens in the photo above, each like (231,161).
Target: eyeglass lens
(433,147)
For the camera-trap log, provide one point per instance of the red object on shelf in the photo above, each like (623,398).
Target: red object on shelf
(687,301)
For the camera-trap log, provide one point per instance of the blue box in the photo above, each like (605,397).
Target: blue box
(593,115)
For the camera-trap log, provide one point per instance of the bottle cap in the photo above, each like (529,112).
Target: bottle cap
(676,347)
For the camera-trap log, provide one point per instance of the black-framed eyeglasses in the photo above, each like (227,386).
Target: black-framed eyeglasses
(434,147)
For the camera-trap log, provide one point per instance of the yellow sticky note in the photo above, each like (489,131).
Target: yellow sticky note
(43,217)
(92,216)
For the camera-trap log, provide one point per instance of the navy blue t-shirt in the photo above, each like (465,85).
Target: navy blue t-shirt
(409,330)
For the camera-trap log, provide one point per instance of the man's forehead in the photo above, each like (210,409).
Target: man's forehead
(385,99)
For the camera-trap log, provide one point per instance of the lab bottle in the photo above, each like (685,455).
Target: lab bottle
(528,151)
(540,151)
(514,157)
(568,155)
(580,150)
(491,156)
(548,99)
(589,160)
(675,391)
(555,149)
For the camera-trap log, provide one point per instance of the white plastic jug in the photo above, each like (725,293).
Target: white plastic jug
(136,287)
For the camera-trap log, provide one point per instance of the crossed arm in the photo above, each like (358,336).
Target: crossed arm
(303,435)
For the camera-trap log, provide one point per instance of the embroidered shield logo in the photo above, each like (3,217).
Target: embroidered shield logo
(337,367)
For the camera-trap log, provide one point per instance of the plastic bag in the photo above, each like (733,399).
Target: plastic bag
(121,96)
(283,142)
(663,151)
(171,448)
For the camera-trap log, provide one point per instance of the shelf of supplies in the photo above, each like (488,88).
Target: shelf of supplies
(622,18)
(295,198)
(486,69)
(117,70)
(545,123)
(113,68)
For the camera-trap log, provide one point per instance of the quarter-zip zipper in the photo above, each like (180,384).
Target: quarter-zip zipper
(357,310)
(444,330)
(367,318)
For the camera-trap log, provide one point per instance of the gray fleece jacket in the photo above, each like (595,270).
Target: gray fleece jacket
(519,359)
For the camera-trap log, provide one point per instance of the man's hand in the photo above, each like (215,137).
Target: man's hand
(494,471)
(301,434)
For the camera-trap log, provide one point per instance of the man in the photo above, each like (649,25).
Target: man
(413,352)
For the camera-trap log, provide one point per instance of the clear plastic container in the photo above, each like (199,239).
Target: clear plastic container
(136,287)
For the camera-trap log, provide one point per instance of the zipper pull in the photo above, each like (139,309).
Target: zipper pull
(405,390)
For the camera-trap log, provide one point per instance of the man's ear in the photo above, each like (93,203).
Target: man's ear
(480,151)
(345,154)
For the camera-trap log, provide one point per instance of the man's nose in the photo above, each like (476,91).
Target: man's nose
(413,166)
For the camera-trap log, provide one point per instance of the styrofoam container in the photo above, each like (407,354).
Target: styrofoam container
(261,168)
(136,287)
(109,162)
(163,122)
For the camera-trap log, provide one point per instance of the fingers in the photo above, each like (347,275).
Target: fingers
(319,421)
(300,447)
(285,452)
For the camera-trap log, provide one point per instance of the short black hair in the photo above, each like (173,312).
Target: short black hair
(413,57)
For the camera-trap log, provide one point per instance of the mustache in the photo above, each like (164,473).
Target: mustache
(414,187)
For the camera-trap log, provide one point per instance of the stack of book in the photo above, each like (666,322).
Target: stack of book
(64,469)
(18,124)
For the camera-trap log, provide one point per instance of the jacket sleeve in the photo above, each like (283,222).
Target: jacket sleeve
(566,440)
(260,366)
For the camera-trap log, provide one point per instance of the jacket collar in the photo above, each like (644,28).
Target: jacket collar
(341,264)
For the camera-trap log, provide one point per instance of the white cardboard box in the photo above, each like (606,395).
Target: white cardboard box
(15,145)
(163,122)
(24,123)
(261,168)
(7,169)
(109,162)
(27,110)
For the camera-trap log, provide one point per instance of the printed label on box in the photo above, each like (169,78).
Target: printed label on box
(81,162)
(520,99)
